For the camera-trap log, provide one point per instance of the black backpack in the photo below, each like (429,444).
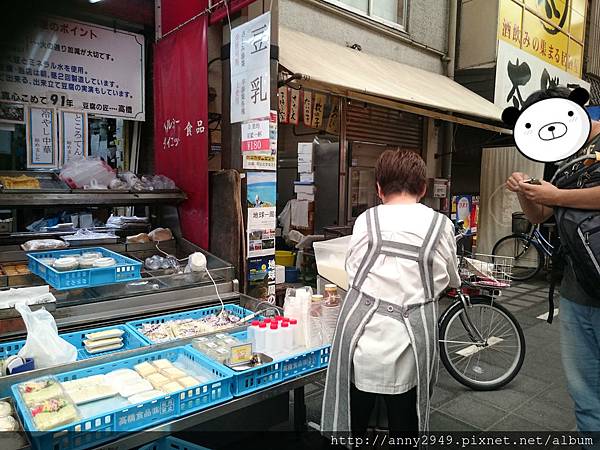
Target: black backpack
(578,230)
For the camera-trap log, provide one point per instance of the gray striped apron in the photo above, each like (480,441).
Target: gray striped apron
(420,320)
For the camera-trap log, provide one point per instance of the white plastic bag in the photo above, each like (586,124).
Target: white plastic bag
(43,344)
(297,306)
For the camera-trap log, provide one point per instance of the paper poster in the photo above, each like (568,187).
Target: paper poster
(73,131)
(307,108)
(41,139)
(318,110)
(259,143)
(333,123)
(466,208)
(261,278)
(65,63)
(294,106)
(283,105)
(250,69)
(262,220)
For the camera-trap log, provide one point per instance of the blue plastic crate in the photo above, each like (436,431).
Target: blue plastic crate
(101,428)
(195,314)
(171,443)
(130,341)
(125,270)
(279,370)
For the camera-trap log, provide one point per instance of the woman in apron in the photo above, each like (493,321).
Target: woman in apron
(402,255)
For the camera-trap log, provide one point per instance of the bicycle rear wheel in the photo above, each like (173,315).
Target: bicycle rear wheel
(487,364)
(527,257)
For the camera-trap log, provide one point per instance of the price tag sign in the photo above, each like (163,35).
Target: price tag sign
(240,354)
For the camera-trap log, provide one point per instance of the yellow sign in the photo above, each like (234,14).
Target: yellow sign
(551,30)
(240,354)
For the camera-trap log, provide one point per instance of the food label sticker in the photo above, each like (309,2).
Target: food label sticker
(241,354)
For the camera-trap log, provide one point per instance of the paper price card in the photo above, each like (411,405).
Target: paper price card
(240,354)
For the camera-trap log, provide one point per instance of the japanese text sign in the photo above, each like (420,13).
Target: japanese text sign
(41,139)
(76,65)
(552,31)
(250,69)
(73,135)
(307,108)
(283,106)
(259,143)
(294,106)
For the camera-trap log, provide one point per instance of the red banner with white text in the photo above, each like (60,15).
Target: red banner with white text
(181,121)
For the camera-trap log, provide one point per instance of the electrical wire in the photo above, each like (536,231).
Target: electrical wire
(207,272)
(228,18)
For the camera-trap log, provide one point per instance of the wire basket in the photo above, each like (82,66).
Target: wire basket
(487,271)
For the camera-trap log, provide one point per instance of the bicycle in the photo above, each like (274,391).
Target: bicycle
(482,344)
(529,250)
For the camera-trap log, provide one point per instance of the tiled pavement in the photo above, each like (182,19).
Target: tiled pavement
(536,400)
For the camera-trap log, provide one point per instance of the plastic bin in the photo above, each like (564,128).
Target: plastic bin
(331,260)
(171,443)
(125,270)
(135,325)
(279,370)
(131,341)
(285,258)
(100,428)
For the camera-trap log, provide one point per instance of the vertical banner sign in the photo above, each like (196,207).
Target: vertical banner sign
(307,108)
(41,139)
(294,106)
(73,135)
(318,106)
(262,192)
(180,118)
(282,101)
(250,69)
(259,143)
(333,124)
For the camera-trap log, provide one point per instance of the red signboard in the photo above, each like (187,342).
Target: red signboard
(181,121)
(173,13)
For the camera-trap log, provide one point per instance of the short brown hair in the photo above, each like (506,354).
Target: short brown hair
(401,171)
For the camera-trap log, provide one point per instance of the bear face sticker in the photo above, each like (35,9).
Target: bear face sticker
(551,129)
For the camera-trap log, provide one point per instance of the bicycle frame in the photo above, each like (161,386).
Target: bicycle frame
(536,237)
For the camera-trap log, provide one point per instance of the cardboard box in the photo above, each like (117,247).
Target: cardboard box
(304,188)
(305,158)
(305,148)
(302,196)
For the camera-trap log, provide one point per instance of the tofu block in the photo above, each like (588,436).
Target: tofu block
(145,369)
(107,348)
(134,388)
(157,380)
(188,382)
(145,396)
(91,344)
(106,334)
(173,373)
(171,387)
(162,364)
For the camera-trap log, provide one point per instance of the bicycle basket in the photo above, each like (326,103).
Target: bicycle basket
(520,224)
(487,271)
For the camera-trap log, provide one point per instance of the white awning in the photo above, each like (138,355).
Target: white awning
(382,81)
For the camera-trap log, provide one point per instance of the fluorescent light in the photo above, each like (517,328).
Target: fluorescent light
(95,1)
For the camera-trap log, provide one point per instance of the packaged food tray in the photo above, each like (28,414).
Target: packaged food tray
(91,431)
(125,270)
(279,370)
(171,443)
(195,314)
(131,341)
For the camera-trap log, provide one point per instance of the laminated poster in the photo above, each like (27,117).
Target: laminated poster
(261,278)
(262,220)
(259,143)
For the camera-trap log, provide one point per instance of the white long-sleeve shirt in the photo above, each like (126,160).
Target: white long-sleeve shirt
(383,359)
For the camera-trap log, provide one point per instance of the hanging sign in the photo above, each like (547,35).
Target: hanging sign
(333,123)
(259,143)
(73,135)
(294,106)
(307,108)
(41,139)
(284,111)
(250,69)
(64,63)
(317,113)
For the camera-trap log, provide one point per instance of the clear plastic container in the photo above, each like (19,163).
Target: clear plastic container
(260,338)
(331,260)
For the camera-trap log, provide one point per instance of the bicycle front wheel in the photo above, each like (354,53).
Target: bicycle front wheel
(484,351)
(527,258)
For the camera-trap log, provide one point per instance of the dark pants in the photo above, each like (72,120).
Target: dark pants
(401,411)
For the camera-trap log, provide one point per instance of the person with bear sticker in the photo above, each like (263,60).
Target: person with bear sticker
(554,127)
